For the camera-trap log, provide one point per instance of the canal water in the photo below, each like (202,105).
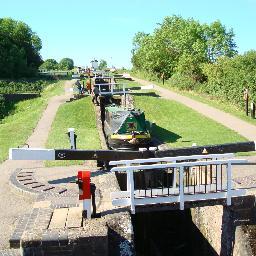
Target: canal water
(165,233)
(168,233)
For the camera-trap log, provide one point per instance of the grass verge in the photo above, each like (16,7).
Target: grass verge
(18,126)
(204,98)
(179,126)
(80,115)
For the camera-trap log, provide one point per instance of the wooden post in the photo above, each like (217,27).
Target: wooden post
(252,110)
(162,75)
(246,99)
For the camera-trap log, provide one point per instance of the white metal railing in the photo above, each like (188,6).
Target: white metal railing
(171,160)
(181,190)
(112,88)
(102,74)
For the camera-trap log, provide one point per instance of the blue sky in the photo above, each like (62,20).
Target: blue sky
(86,29)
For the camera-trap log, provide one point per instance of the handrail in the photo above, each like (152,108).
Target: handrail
(177,165)
(128,197)
(170,159)
(110,84)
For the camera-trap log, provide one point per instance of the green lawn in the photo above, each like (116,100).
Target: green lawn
(18,126)
(80,115)
(179,126)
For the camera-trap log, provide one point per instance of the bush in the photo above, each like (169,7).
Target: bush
(184,82)
(22,86)
(228,77)
(2,106)
(5,106)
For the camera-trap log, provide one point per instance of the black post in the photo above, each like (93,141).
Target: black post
(75,139)
(253,110)
(93,189)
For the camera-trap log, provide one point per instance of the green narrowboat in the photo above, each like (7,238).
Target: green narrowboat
(126,128)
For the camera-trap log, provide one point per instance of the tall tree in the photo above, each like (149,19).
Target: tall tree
(220,42)
(181,46)
(66,64)
(50,64)
(19,49)
(103,65)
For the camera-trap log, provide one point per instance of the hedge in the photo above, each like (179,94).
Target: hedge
(228,77)
(22,86)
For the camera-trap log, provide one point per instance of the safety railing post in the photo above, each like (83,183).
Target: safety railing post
(229,184)
(181,188)
(131,190)
(174,177)
(218,177)
(127,179)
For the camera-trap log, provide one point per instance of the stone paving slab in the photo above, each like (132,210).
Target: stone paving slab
(59,218)
(73,218)
(10,252)
(247,181)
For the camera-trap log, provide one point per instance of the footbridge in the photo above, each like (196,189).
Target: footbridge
(178,182)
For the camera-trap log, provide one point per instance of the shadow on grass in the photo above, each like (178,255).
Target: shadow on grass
(7,107)
(164,135)
(150,94)
(134,88)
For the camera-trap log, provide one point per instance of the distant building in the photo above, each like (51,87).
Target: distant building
(95,64)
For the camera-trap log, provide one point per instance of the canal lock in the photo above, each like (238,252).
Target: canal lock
(164,232)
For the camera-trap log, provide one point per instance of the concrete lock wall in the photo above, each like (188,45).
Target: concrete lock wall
(225,228)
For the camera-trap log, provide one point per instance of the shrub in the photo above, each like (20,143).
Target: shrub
(184,82)
(228,77)
(23,86)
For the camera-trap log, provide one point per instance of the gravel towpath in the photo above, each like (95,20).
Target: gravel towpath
(13,205)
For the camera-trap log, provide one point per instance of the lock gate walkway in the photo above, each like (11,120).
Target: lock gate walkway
(172,183)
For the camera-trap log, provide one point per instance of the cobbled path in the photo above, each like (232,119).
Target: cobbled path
(12,204)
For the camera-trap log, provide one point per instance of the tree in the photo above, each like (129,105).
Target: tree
(66,64)
(181,46)
(220,42)
(19,49)
(49,64)
(103,65)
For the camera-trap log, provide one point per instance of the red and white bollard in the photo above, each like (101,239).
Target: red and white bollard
(85,191)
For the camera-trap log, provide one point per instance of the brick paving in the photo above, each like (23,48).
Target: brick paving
(12,204)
